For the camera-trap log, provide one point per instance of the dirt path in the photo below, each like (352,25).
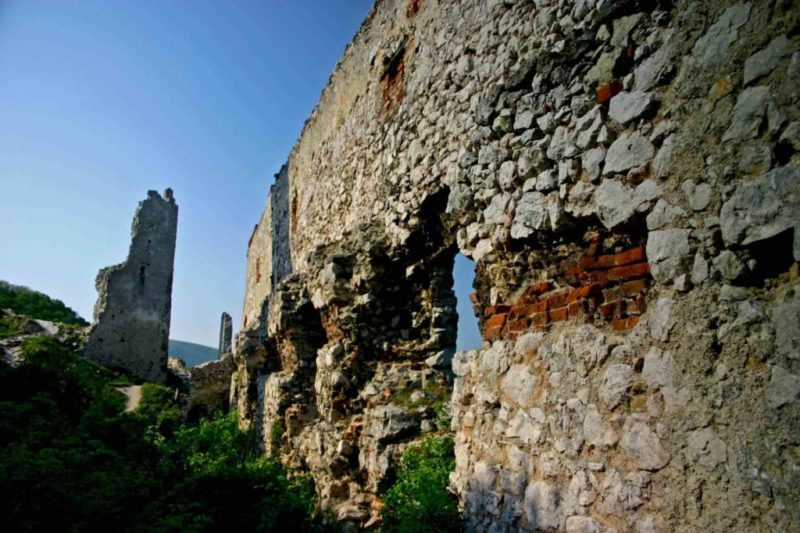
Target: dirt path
(134,395)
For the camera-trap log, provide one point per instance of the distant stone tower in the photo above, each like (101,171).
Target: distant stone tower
(130,331)
(225,335)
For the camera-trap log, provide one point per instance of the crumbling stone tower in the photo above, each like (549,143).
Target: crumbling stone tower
(225,335)
(131,317)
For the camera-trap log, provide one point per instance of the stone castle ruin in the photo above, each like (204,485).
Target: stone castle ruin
(625,175)
(130,330)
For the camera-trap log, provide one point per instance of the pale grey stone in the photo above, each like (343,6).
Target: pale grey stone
(653,70)
(659,369)
(763,208)
(462,362)
(543,505)
(699,269)
(764,61)
(681,283)
(643,445)
(562,144)
(579,200)
(664,214)
(441,360)
(583,524)
(546,122)
(556,213)
(783,387)
(660,322)
(588,127)
(645,192)
(491,154)
(494,361)
(592,161)
(531,215)
(667,250)
(617,379)
(523,120)
(748,114)
(518,384)
(711,49)
(629,150)
(466,159)
(623,26)
(698,196)
(525,428)
(755,159)
(729,265)
(705,448)
(496,211)
(627,106)
(459,199)
(507,175)
(785,318)
(663,160)
(614,202)
(547,180)
(775,117)
(566,173)
(603,69)
(595,431)
(388,423)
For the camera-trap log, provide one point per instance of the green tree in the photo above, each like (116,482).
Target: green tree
(419,500)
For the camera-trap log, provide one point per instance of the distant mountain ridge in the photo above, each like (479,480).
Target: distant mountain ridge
(192,354)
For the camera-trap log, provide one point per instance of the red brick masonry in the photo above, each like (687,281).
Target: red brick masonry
(609,287)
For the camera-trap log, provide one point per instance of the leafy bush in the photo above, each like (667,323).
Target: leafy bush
(71,458)
(419,500)
(24,301)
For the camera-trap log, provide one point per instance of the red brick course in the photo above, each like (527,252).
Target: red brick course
(609,287)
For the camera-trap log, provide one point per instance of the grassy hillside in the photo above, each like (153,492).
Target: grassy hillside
(25,301)
(191,353)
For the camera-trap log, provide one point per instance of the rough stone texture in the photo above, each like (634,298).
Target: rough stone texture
(130,330)
(635,284)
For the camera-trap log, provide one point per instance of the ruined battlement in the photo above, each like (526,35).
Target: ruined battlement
(130,330)
(625,176)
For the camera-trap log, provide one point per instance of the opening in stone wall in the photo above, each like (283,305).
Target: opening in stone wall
(468,336)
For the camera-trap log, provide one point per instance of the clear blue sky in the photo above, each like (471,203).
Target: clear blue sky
(101,100)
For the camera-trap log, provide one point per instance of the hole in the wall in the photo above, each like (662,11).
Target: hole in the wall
(773,256)
(413,7)
(258,270)
(468,336)
(392,82)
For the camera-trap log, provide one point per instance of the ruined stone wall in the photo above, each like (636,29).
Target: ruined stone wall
(130,330)
(625,175)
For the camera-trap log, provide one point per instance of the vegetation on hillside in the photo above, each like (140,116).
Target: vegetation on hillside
(419,500)
(71,459)
(24,301)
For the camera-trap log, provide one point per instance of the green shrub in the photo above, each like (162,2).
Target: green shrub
(71,458)
(419,500)
(25,301)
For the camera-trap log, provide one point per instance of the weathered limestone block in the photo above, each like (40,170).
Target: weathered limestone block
(132,314)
